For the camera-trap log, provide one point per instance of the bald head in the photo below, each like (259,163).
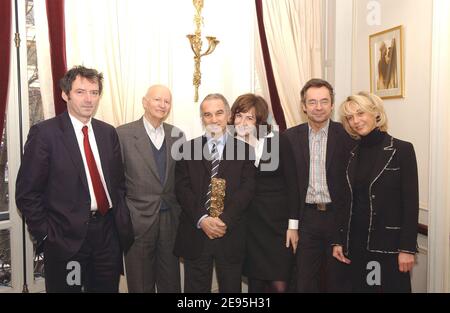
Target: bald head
(158,89)
(157,103)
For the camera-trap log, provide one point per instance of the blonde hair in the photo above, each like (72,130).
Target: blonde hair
(365,102)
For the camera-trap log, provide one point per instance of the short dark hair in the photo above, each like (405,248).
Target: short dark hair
(317,83)
(245,102)
(89,73)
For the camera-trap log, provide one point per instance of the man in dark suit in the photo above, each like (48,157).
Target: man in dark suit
(203,239)
(150,180)
(70,190)
(321,149)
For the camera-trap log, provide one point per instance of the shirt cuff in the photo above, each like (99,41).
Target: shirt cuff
(293,224)
(200,220)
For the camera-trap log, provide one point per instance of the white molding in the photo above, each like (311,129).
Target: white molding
(438,236)
(340,48)
(339,26)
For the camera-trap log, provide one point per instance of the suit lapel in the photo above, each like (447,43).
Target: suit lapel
(144,147)
(224,163)
(169,143)
(206,159)
(352,163)
(304,146)
(383,159)
(69,140)
(331,144)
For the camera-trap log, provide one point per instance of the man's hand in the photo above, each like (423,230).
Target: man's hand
(405,262)
(213,227)
(338,253)
(292,239)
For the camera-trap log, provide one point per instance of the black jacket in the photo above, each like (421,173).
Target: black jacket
(192,178)
(339,145)
(52,189)
(393,197)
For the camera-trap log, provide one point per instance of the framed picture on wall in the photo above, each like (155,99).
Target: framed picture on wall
(386,63)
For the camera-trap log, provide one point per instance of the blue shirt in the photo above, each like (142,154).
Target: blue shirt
(219,141)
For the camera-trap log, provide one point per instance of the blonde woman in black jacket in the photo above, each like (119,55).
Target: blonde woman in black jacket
(379,233)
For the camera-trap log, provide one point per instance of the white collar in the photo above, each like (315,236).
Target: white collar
(150,129)
(78,125)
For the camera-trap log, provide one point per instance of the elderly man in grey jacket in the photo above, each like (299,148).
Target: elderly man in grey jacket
(146,146)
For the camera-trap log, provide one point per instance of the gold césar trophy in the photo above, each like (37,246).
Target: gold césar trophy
(196,45)
(218,186)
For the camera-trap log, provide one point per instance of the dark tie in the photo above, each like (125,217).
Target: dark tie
(99,191)
(214,170)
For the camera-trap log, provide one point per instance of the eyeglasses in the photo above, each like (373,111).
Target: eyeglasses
(315,102)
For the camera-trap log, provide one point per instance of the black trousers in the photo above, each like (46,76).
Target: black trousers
(198,272)
(317,269)
(96,267)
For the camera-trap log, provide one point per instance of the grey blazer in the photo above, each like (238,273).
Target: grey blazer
(144,190)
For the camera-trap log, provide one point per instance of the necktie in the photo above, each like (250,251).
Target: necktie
(99,191)
(214,170)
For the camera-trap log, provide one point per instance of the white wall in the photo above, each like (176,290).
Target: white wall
(409,118)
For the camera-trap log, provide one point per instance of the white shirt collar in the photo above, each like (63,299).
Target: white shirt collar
(78,125)
(150,129)
(220,141)
(259,148)
(156,135)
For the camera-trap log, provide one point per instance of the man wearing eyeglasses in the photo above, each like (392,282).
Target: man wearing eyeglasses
(321,148)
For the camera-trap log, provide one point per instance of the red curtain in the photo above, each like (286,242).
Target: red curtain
(274,97)
(57,35)
(5,55)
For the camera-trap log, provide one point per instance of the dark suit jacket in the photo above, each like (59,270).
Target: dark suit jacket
(339,145)
(52,189)
(393,197)
(192,178)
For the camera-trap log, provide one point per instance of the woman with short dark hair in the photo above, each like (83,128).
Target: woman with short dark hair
(268,260)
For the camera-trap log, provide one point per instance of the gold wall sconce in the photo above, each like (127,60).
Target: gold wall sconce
(197,43)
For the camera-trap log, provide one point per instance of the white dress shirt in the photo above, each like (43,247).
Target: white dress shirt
(156,135)
(77,125)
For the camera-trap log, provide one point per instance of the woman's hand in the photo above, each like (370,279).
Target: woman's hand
(405,262)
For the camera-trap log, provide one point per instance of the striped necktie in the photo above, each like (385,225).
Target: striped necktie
(215,159)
